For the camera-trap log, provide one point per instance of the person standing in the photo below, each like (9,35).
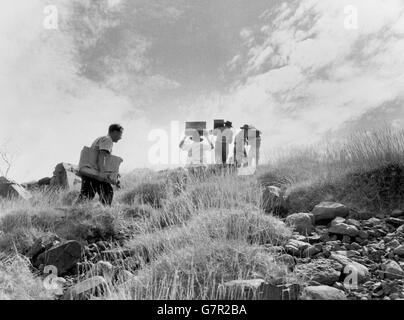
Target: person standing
(224,137)
(196,148)
(92,186)
(240,141)
(254,141)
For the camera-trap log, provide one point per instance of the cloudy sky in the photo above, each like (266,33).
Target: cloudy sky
(298,70)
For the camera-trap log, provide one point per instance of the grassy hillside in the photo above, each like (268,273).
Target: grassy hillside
(182,237)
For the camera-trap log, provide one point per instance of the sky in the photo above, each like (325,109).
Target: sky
(297,70)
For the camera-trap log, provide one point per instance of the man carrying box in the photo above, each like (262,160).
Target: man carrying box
(101,183)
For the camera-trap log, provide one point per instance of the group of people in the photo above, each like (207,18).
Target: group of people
(246,146)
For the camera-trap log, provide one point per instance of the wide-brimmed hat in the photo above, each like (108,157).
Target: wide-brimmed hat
(228,124)
(246,126)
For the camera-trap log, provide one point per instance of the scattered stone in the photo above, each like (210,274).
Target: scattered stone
(372,222)
(350,266)
(399,251)
(322,271)
(325,212)
(337,220)
(270,291)
(396,222)
(64,256)
(296,247)
(363,234)
(353,222)
(344,229)
(323,293)
(301,222)
(312,250)
(392,270)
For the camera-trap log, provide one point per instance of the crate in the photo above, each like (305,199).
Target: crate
(190,126)
(88,164)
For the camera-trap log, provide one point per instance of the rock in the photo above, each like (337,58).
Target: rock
(392,270)
(42,244)
(397,213)
(64,256)
(274,201)
(270,291)
(372,222)
(296,247)
(312,250)
(399,251)
(64,176)
(344,229)
(337,220)
(314,239)
(351,269)
(11,189)
(353,222)
(301,222)
(92,286)
(396,222)
(346,239)
(363,234)
(327,211)
(323,293)
(322,271)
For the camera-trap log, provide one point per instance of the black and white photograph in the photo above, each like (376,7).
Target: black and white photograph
(204,156)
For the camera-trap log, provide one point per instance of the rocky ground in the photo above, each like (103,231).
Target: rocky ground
(347,255)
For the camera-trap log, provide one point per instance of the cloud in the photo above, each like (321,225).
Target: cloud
(306,75)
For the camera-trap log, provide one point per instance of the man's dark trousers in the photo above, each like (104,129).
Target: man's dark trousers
(90,186)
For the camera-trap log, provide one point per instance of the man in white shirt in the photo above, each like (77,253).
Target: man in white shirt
(91,186)
(196,148)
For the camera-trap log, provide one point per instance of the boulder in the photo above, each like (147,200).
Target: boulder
(353,222)
(42,244)
(296,247)
(337,220)
(322,271)
(64,256)
(392,270)
(301,222)
(396,222)
(399,251)
(323,293)
(11,189)
(64,176)
(325,212)
(344,229)
(352,269)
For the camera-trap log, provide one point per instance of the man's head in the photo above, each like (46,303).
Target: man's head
(115,132)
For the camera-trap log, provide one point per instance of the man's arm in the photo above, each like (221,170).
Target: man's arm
(182,142)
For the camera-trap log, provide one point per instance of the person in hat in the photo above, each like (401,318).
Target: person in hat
(240,142)
(196,147)
(224,137)
(254,141)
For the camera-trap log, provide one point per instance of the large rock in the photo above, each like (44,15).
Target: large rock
(64,256)
(323,293)
(11,189)
(344,229)
(352,270)
(42,244)
(301,222)
(322,271)
(64,176)
(392,270)
(325,212)
(399,251)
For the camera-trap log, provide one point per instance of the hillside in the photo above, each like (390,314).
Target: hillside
(311,225)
